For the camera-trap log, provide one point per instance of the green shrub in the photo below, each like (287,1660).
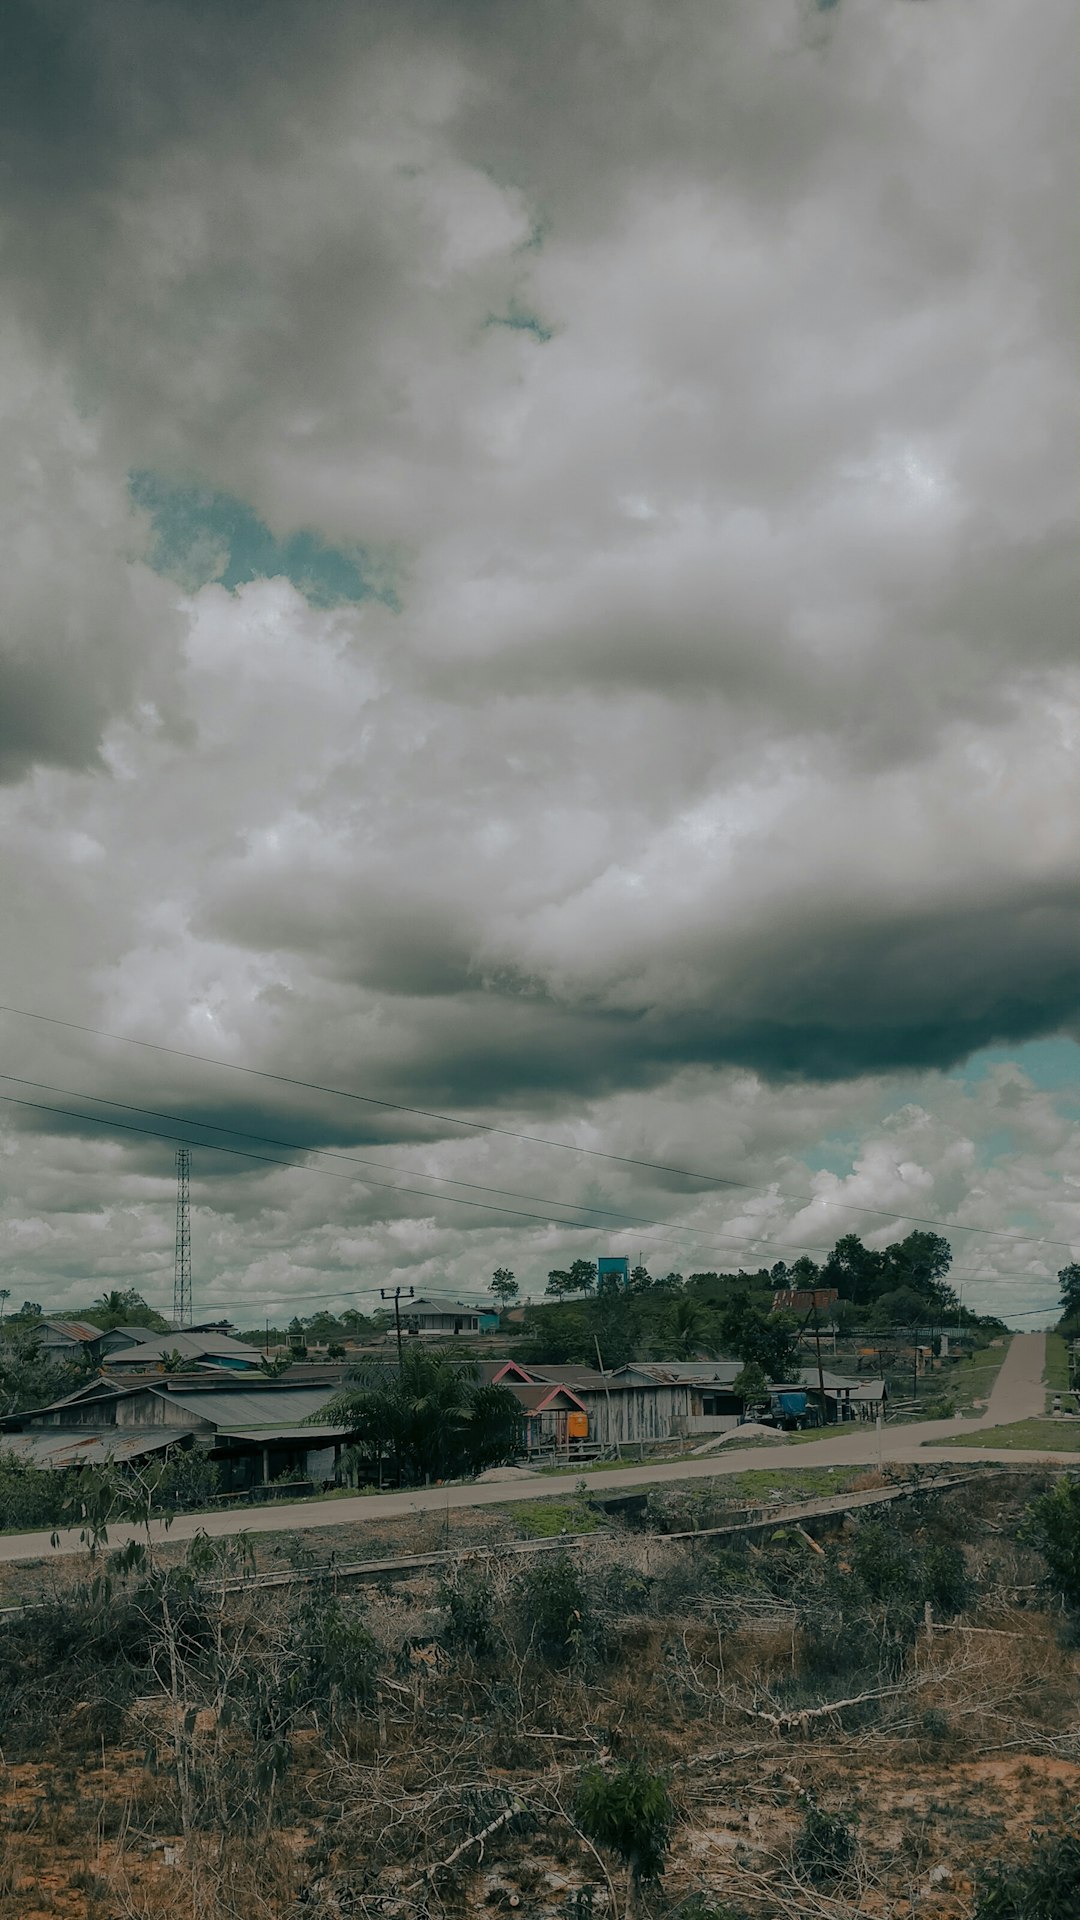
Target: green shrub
(1045,1886)
(339,1657)
(825,1844)
(467,1596)
(882,1561)
(555,1609)
(940,1406)
(944,1579)
(188,1480)
(31,1496)
(630,1813)
(1052,1526)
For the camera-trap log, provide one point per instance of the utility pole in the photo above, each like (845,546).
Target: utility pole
(820,1375)
(182,1266)
(395,1296)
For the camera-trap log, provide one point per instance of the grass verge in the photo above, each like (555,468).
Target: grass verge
(1056,1436)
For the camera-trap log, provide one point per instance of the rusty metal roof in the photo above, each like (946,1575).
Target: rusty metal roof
(53,1447)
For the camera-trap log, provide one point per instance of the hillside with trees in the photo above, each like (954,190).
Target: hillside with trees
(674,1317)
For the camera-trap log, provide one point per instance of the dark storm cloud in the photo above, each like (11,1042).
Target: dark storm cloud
(665,417)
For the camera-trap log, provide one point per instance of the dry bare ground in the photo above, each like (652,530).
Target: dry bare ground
(832,1746)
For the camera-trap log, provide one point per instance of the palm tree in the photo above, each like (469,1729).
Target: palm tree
(113,1307)
(430,1420)
(684,1330)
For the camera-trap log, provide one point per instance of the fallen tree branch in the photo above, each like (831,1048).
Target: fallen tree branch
(784,1722)
(475,1839)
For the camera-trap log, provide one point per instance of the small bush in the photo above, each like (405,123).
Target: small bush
(882,1562)
(944,1579)
(940,1406)
(630,1813)
(556,1612)
(342,1656)
(1045,1886)
(469,1601)
(825,1845)
(1052,1526)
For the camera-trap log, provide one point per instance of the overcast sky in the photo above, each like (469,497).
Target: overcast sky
(539,584)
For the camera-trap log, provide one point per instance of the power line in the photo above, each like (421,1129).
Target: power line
(666,1229)
(353,1159)
(483,1126)
(368,1099)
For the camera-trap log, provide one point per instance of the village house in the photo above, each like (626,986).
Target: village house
(441,1314)
(255,1431)
(621,1411)
(199,1350)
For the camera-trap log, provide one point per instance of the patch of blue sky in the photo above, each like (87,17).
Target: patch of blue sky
(831,1156)
(1053,1065)
(520,321)
(201,536)
(992,1146)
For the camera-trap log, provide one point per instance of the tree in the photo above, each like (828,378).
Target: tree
(431,1420)
(173,1361)
(769,1341)
(750,1384)
(630,1813)
(504,1287)
(803,1274)
(1069,1283)
(684,1329)
(583,1275)
(854,1270)
(579,1277)
(921,1263)
(903,1307)
(29,1379)
(124,1307)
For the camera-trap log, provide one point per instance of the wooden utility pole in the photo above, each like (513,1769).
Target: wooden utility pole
(395,1296)
(820,1375)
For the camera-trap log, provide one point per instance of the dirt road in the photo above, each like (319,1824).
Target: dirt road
(1017,1394)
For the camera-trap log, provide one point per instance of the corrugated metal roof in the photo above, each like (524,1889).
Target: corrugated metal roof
(317,1436)
(52,1447)
(535,1399)
(191,1346)
(696,1373)
(569,1375)
(236,1409)
(73,1329)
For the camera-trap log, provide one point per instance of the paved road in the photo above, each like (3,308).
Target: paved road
(1017,1394)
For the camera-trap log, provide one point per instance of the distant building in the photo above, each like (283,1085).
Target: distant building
(145,1352)
(255,1431)
(57,1339)
(613,1266)
(804,1299)
(441,1314)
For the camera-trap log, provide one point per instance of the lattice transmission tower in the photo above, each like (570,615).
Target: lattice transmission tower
(182,1270)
